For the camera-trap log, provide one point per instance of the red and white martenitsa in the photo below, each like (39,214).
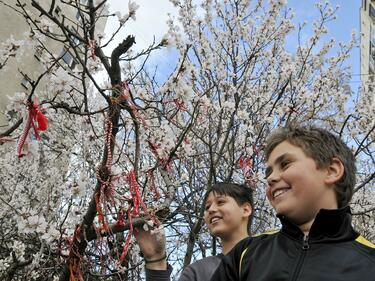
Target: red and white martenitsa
(35,120)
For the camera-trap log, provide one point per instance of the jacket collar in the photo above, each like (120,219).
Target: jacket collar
(329,225)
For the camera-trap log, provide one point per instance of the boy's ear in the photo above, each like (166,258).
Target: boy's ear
(248,210)
(335,171)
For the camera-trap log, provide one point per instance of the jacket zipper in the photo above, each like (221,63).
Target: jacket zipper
(305,247)
(305,242)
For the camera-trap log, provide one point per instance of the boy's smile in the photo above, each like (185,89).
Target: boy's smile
(215,219)
(278,192)
(296,187)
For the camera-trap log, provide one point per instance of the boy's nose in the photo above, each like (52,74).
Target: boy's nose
(212,208)
(274,177)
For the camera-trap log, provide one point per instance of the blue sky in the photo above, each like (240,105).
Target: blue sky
(340,29)
(151,20)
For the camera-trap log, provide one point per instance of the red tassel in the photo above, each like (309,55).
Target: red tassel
(34,115)
(42,121)
(128,237)
(25,133)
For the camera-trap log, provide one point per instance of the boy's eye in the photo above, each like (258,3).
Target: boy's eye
(285,163)
(220,202)
(267,172)
(206,207)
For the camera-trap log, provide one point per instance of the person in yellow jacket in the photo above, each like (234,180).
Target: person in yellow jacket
(311,178)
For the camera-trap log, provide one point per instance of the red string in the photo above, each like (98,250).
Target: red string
(128,237)
(291,110)
(75,258)
(24,135)
(180,104)
(106,191)
(133,107)
(256,149)
(34,116)
(151,178)
(246,164)
(135,194)
(5,139)
(92,47)
(165,162)
(135,203)
(120,219)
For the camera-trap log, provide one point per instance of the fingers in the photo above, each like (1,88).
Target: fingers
(151,241)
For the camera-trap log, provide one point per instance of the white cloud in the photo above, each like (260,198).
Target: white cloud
(151,17)
(150,25)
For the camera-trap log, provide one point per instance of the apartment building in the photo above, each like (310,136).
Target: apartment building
(367,18)
(13,77)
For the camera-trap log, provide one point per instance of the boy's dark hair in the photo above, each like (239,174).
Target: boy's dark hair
(239,192)
(322,146)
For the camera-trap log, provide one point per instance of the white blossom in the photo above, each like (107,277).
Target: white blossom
(19,250)
(132,6)
(231,81)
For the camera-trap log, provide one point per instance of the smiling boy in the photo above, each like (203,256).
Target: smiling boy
(228,213)
(311,177)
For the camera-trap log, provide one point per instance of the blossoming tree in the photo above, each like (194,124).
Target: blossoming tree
(236,64)
(139,152)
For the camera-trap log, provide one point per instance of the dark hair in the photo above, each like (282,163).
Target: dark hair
(239,192)
(322,146)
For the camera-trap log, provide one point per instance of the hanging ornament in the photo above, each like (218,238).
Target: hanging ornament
(35,120)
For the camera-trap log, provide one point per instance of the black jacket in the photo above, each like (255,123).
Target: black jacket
(333,251)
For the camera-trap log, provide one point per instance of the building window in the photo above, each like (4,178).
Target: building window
(78,16)
(67,58)
(57,11)
(25,82)
(38,52)
(72,38)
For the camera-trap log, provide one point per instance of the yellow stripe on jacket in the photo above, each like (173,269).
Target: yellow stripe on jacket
(365,242)
(244,251)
